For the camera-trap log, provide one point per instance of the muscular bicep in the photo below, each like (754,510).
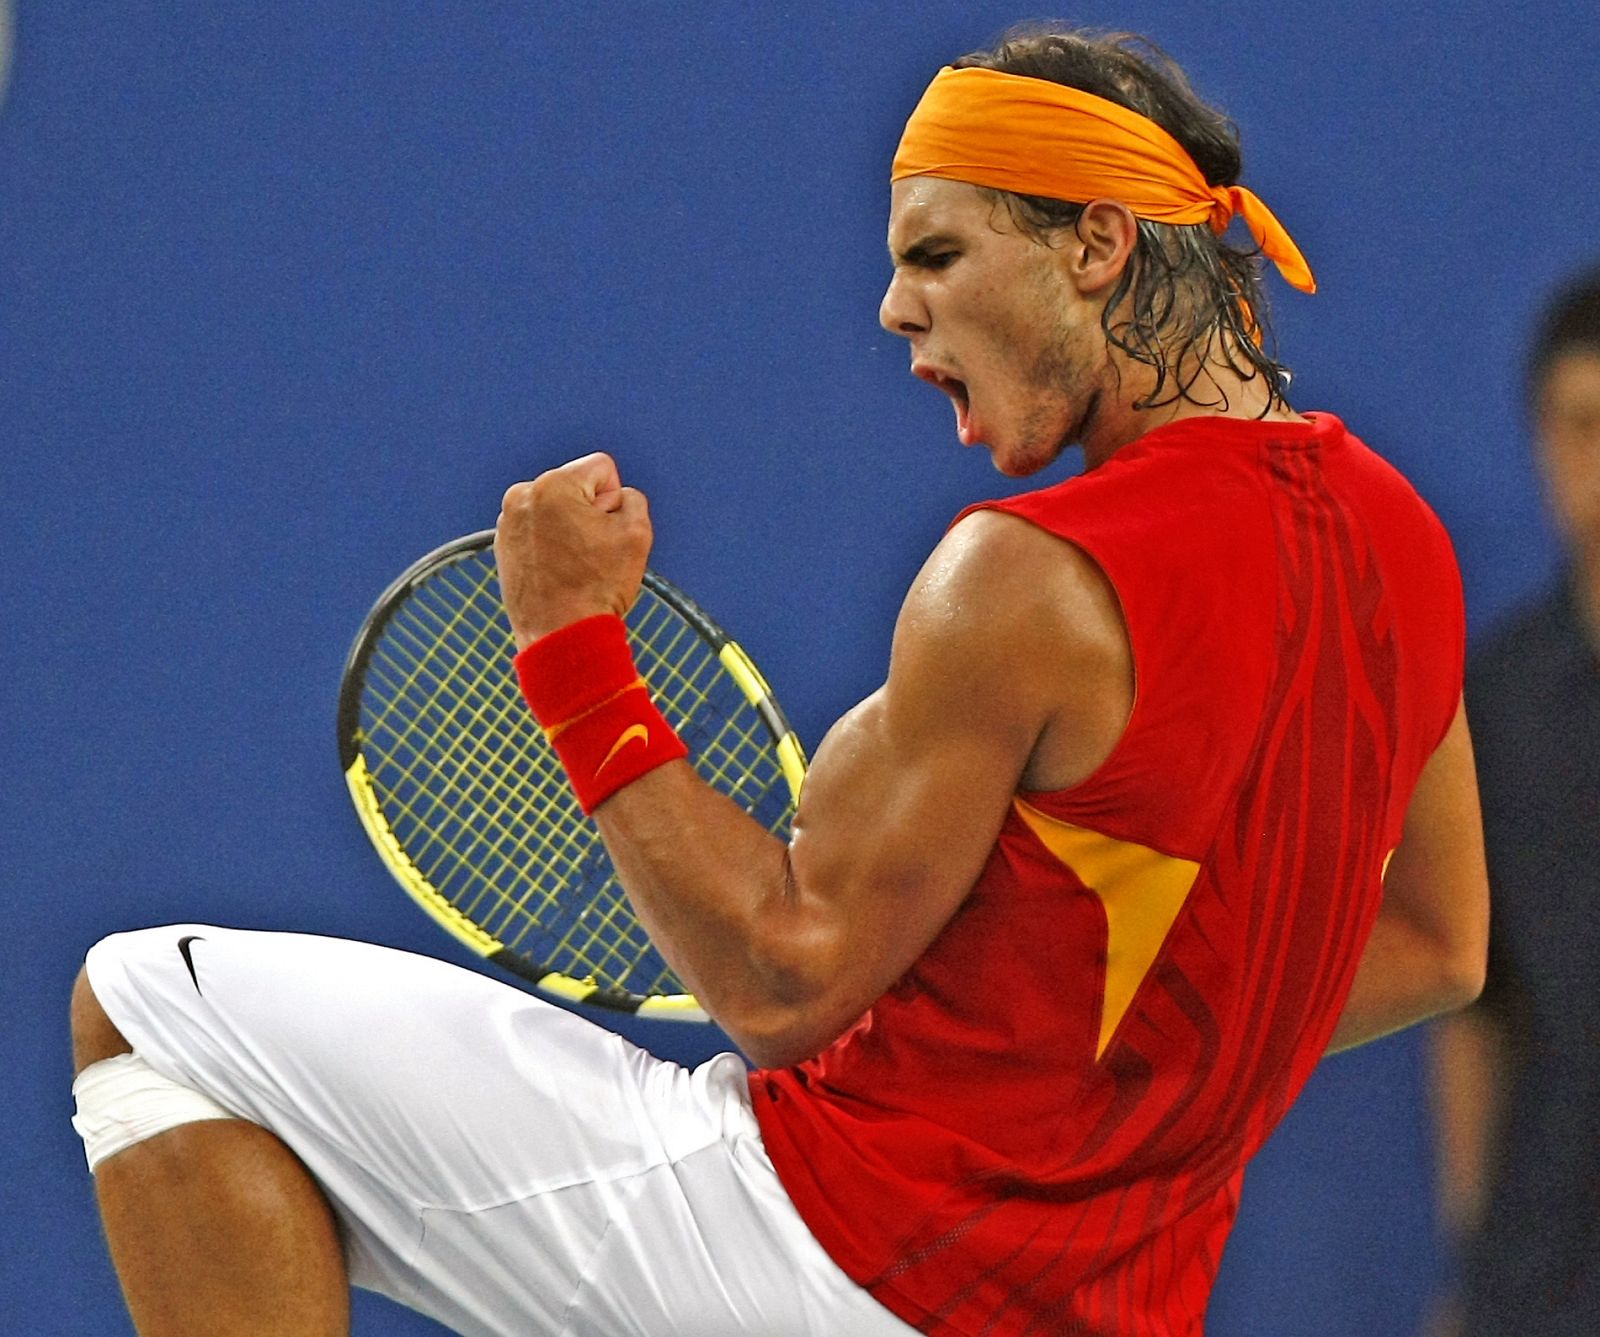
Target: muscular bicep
(896,825)
(1010,649)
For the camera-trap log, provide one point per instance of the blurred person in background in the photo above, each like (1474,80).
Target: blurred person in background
(1518,1076)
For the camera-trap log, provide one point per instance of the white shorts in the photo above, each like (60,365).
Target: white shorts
(494,1161)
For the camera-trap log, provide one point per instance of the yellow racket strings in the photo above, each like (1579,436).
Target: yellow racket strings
(523,861)
(464,729)
(497,828)
(508,832)
(476,748)
(473,743)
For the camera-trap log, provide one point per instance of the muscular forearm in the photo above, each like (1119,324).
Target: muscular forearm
(1405,976)
(714,890)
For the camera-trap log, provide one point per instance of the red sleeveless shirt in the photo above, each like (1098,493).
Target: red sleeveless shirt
(1042,1128)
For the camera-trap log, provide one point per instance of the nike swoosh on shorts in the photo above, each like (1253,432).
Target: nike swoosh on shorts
(183,951)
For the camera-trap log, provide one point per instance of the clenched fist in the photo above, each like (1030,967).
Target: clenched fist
(570,544)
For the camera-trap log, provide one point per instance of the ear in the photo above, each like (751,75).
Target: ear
(1106,232)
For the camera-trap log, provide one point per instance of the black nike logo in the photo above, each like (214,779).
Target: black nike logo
(183,951)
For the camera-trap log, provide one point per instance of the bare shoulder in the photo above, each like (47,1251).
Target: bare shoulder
(1018,569)
(1030,621)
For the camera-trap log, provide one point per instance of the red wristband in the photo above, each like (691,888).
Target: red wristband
(584,689)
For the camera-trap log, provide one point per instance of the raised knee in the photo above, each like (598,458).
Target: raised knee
(93,1035)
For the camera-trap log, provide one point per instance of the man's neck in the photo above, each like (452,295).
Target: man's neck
(1218,392)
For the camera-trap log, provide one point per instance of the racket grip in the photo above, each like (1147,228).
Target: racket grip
(583,687)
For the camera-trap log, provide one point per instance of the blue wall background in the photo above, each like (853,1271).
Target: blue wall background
(290,293)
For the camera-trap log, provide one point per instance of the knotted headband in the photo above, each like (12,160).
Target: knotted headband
(1036,137)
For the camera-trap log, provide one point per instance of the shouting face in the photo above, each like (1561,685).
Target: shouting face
(995,320)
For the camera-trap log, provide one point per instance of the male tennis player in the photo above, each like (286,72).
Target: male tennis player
(1168,792)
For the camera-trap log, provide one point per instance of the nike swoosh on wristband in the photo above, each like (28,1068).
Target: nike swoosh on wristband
(183,951)
(634,733)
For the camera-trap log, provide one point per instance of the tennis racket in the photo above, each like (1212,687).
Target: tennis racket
(467,804)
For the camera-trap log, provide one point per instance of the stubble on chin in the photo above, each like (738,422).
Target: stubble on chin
(1062,376)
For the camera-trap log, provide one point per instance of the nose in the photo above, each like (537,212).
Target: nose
(902,311)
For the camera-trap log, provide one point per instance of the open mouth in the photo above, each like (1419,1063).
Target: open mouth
(959,397)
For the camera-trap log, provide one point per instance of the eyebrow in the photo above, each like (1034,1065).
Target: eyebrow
(924,248)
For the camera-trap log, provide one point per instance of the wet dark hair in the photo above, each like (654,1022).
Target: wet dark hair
(1569,323)
(1186,291)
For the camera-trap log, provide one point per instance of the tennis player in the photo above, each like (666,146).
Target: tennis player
(1167,793)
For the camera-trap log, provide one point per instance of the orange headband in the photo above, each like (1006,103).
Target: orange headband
(1036,137)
